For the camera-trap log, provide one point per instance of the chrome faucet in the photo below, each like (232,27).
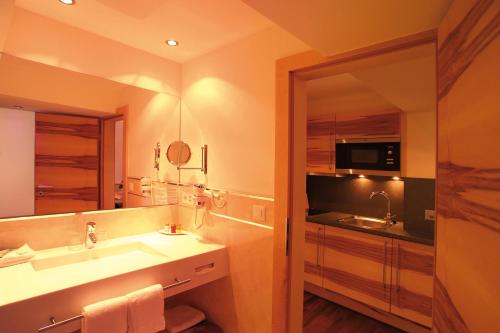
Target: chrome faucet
(90,238)
(389,218)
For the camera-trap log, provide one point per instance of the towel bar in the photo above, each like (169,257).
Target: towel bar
(54,323)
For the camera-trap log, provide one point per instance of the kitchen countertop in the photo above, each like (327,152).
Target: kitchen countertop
(395,231)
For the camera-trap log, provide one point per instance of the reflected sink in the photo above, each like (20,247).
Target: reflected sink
(365,222)
(122,253)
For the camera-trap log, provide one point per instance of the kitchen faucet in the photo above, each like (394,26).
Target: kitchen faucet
(90,238)
(389,218)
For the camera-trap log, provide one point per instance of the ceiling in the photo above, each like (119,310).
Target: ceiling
(329,26)
(407,83)
(343,93)
(336,26)
(200,26)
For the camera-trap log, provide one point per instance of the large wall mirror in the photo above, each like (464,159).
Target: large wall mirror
(71,142)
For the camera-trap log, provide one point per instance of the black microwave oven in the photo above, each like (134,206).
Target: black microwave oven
(380,156)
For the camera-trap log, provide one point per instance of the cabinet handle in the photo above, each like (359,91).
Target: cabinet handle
(317,247)
(398,269)
(330,151)
(176,284)
(385,262)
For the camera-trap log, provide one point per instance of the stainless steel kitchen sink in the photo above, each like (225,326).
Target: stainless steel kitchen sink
(365,222)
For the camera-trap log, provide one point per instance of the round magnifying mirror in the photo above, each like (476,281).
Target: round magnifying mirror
(178,153)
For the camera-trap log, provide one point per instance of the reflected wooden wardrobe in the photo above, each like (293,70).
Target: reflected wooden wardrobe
(67,150)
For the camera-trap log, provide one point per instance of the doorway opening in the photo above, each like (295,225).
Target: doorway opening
(384,94)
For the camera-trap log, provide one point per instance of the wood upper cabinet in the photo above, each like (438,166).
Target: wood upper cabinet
(321,143)
(412,277)
(358,265)
(384,123)
(313,254)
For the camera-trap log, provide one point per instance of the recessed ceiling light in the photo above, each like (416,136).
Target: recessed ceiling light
(68,2)
(172,42)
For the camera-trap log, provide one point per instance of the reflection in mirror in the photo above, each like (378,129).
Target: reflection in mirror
(178,153)
(64,147)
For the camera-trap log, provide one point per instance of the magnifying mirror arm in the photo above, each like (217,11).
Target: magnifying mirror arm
(204,161)
(157,156)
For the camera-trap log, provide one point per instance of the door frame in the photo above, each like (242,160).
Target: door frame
(289,182)
(104,121)
(121,113)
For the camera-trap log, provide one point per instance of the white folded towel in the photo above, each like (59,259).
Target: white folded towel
(18,256)
(109,316)
(145,310)
(182,317)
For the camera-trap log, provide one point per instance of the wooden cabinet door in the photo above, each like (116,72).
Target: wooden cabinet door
(358,265)
(385,123)
(412,277)
(321,143)
(313,254)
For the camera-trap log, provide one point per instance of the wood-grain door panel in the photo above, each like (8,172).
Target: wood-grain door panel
(313,253)
(466,284)
(412,279)
(358,266)
(66,163)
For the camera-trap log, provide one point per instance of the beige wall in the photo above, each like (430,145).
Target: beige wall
(229,104)
(420,144)
(17,162)
(153,117)
(44,232)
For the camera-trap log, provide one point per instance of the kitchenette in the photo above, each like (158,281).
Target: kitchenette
(369,240)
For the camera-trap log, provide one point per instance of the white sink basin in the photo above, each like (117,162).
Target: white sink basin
(108,255)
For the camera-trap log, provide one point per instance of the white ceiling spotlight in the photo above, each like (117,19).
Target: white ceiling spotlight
(172,42)
(68,2)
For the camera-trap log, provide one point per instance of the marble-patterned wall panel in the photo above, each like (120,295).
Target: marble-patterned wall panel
(466,292)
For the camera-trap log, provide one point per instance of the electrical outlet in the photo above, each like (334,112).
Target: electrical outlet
(259,213)
(430,215)
(187,198)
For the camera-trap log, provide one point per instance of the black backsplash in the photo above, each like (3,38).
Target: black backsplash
(350,194)
(419,196)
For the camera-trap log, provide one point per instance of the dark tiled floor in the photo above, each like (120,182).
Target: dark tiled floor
(322,316)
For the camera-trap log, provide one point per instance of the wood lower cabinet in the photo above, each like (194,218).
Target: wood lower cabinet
(392,275)
(412,279)
(358,265)
(313,254)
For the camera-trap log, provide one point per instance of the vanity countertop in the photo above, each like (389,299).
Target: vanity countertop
(395,231)
(26,281)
